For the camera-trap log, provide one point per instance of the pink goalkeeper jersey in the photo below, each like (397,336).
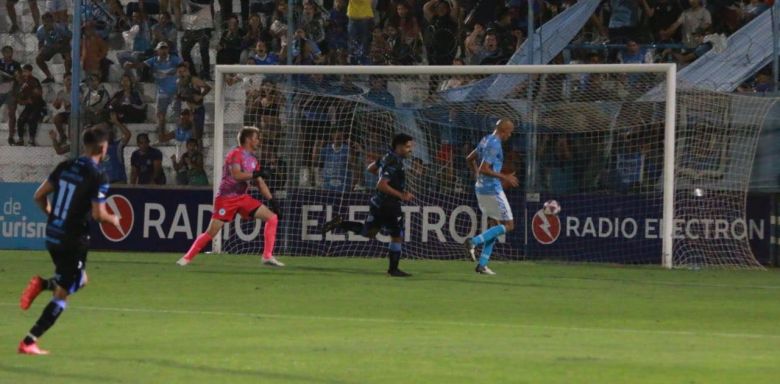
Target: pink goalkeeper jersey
(230,187)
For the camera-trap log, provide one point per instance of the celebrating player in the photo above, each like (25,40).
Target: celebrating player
(78,187)
(486,160)
(241,166)
(385,205)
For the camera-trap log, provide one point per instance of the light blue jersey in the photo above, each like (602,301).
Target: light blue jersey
(489,151)
(164,72)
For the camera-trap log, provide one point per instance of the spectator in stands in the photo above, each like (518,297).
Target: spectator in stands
(592,85)
(405,22)
(146,163)
(163,67)
(380,51)
(502,28)
(31,97)
(439,36)
(10,8)
(491,53)
(473,44)
(623,20)
(113,163)
(93,53)
(278,28)
(661,15)
(263,105)
(695,18)
(312,22)
(336,37)
(763,82)
(261,56)
(198,25)
(139,39)
(94,102)
(378,92)
(689,55)
(192,90)
(634,54)
(189,167)
(10,73)
(61,104)
(334,160)
(165,31)
(361,18)
(402,51)
(52,39)
(254,34)
(127,105)
(305,51)
(185,129)
(229,49)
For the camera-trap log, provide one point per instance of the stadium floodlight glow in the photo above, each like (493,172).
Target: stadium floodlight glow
(590,137)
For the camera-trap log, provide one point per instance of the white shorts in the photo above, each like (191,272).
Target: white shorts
(495,207)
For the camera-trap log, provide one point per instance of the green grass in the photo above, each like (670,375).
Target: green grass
(226,319)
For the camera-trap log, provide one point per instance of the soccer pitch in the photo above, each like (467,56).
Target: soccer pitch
(227,319)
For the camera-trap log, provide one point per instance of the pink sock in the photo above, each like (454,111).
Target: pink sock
(199,243)
(269,237)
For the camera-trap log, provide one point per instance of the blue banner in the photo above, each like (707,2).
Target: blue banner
(22,223)
(153,220)
(592,227)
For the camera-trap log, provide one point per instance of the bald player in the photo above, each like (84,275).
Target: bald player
(486,160)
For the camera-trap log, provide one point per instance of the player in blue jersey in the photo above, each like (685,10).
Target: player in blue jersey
(385,205)
(78,188)
(486,161)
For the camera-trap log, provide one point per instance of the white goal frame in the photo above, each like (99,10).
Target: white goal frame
(669,71)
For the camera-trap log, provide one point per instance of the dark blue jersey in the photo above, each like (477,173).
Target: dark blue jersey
(77,183)
(391,168)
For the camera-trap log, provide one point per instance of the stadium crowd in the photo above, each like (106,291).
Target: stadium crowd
(155,41)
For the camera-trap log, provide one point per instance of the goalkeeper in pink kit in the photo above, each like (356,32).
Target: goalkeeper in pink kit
(241,166)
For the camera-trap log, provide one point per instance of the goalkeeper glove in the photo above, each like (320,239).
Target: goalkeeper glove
(263,173)
(274,206)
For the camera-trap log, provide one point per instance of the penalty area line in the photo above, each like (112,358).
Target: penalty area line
(422,322)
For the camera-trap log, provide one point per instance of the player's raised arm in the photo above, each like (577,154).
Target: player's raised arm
(41,196)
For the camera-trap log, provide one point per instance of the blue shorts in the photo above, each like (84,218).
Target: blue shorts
(164,101)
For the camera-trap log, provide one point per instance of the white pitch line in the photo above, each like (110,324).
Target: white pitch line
(422,322)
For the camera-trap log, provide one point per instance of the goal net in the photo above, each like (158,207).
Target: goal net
(645,172)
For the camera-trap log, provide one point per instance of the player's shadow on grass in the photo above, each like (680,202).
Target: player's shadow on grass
(48,376)
(257,374)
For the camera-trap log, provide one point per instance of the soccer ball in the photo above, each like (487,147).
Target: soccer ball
(551,207)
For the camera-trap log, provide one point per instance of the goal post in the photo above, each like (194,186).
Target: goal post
(620,177)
